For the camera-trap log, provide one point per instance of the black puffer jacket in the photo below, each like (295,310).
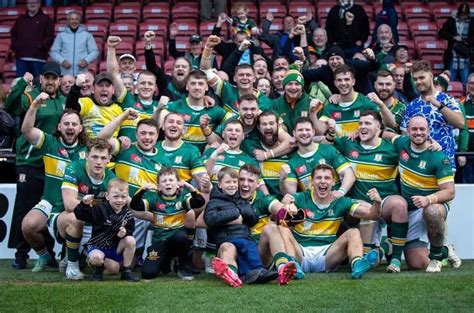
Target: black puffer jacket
(222,209)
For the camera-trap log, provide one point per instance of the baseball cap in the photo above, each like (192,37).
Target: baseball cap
(195,38)
(127,56)
(51,68)
(102,76)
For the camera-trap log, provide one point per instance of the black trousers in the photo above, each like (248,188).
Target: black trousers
(160,253)
(29,189)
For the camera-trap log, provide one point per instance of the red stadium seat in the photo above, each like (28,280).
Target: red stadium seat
(455,89)
(141,65)
(126,47)
(205,29)
(99,11)
(185,10)
(6,88)
(5,31)
(277,25)
(61,14)
(301,8)
(168,67)
(436,47)
(127,11)
(158,48)
(9,71)
(416,11)
(59,27)
(266,48)
(182,43)
(276,8)
(423,29)
(10,14)
(96,29)
(156,11)
(160,27)
(4,49)
(102,66)
(436,61)
(123,29)
(50,12)
(186,27)
(403,28)
(93,67)
(441,10)
(323,9)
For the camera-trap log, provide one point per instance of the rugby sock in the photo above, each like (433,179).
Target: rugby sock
(436,253)
(398,239)
(190,232)
(354,260)
(281,258)
(42,253)
(72,244)
(368,247)
(233,268)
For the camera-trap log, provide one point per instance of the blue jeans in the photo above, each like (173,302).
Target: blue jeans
(462,73)
(7,3)
(248,257)
(468,171)
(33,67)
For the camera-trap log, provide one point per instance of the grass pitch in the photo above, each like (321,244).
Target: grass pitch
(449,291)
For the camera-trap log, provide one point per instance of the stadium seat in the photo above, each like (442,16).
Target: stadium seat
(5,31)
(369,10)
(277,25)
(436,47)
(416,11)
(158,48)
(99,11)
(127,11)
(266,48)
(102,66)
(126,47)
(301,8)
(323,9)
(436,61)
(50,12)
(6,88)
(4,49)
(123,29)
(441,10)
(156,11)
(10,14)
(185,10)
(186,27)
(182,43)
(160,27)
(59,27)
(9,71)
(276,8)
(62,12)
(168,67)
(96,29)
(418,29)
(403,29)
(455,89)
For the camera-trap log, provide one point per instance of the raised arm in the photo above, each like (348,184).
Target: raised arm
(367,211)
(172,42)
(388,118)
(72,100)
(112,65)
(13,103)
(108,131)
(32,133)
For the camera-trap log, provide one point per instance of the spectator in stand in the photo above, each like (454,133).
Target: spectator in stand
(241,22)
(211,9)
(67,81)
(31,37)
(319,41)
(283,42)
(467,162)
(195,48)
(458,30)
(128,65)
(129,82)
(86,89)
(387,16)
(74,48)
(347,25)
(384,47)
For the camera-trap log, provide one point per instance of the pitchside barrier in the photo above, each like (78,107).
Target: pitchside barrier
(460,221)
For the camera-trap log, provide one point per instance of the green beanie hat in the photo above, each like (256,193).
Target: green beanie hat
(442,82)
(293,75)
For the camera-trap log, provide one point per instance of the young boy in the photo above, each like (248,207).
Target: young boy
(241,22)
(112,242)
(166,208)
(229,219)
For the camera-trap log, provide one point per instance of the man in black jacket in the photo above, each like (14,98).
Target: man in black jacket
(229,219)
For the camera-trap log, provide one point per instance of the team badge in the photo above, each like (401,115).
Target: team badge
(186,117)
(153,255)
(82,155)
(178,206)
(157,167)
(446,161)
(304,113)
(322,161)
(241,163)
(220,158)
(356,113)
(404,155)
(301,169)
(83,188)
(422,165)
(178,159)
(135,158)
(22,178)
(336,115)
(378,157)
(354,154)
(330,212)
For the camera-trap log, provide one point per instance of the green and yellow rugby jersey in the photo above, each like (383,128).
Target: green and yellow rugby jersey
(398,109)
(421,173)
(144,108)
(261,204)
(251,138)
(138,167)
(347,115)
(76,178)
(185,158)
(229,96)
(374,167)
(56,157)
(321,224)
(230,159)
(302,165)
(168,213)
(192,131)
(290,112)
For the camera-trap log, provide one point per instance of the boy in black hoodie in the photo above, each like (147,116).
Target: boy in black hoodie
(112,242)
(229,219)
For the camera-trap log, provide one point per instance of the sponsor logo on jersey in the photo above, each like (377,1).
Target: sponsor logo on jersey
(160,206)
(83,188)
(422,165)
(63,152)
(135,158)
(301,169)
(138,105)
(404,155)
(186,117)
(330,212)
(220,158)
(336,115)
(236,104)
(308,213)
(354,154)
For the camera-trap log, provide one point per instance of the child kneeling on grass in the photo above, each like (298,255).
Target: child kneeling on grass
(165,206)
(229,219)
(112,243)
